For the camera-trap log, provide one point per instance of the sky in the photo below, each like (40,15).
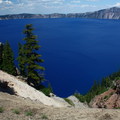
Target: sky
(54,6)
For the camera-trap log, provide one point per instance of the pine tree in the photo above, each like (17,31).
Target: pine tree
(29,59)
(8,59)
(21,60)
(1,49)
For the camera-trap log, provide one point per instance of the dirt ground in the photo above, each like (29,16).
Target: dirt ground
(17,108)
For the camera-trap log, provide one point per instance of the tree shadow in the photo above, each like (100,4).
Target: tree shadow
(5,88)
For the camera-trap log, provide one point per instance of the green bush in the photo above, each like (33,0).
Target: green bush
(28,113)
(111,93)
(69,101)
(16,111)
(1,109)
(106,97)
(44,117)
(80,97)
(117,108)
(46,90)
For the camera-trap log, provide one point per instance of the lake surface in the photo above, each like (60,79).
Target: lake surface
(76,51)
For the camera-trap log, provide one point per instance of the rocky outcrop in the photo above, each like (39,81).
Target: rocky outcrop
(109,99)
(17,87)
(117,86)
(71,101)
(77,103)
(111,13)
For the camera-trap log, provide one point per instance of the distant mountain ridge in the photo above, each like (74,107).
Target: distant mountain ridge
(110,13)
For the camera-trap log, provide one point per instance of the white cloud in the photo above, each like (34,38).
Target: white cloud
(114,5)
(92,0)
(45,6)
(5,2)
(76,1)
(42,1)
(117,5)
(8,2)
(1,1)
(80,6)
(20,4)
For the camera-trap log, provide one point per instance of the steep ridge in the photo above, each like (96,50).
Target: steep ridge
(21,89)
(110,13)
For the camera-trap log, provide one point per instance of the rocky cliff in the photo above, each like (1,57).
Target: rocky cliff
(14,86)
(111,13)
(109,99)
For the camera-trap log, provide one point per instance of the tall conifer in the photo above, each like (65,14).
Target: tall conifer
(1,49)
(8,60)
(29,59)
(21,60)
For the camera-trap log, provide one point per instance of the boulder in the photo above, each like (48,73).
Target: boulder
(77,103)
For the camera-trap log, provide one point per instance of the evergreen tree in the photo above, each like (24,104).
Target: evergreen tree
(29,59)
(1,49)
(21,60)
(8,60)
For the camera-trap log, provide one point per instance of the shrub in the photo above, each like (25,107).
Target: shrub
(69,101)
(46,90)
(80,97)
(1,110)
(111,93)
(16,111)
(28,113)
(106,97)
(44,117)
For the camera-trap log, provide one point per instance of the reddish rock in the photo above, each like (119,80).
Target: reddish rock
(109,99)
(111,102)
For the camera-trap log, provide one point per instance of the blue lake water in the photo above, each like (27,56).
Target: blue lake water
(76,51)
